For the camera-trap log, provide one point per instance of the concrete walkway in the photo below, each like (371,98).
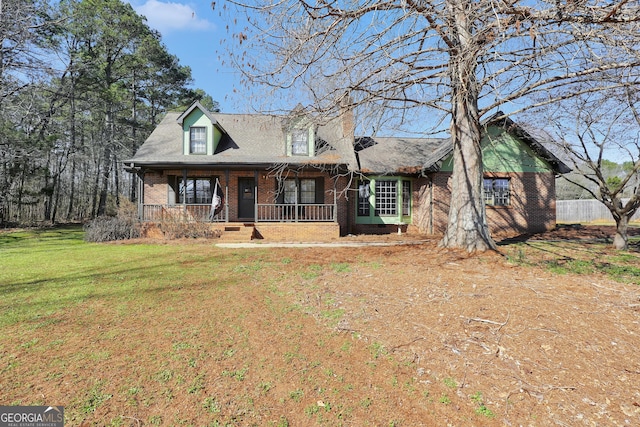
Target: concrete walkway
(318,244)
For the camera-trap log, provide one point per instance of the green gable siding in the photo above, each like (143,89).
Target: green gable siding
(502,152)
(199,119)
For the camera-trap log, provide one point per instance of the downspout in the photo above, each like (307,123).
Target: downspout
(349,225)
(226,195)
(430,204)
(184,194)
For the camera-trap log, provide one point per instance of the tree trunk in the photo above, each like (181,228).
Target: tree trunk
(621,239)
(467,225)
(96,186)
(110,134)
(72,189)
(104,178)
(116,180)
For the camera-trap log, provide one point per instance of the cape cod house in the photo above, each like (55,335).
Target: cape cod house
(290,178)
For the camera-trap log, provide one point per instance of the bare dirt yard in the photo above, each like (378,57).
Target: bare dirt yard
(406,335)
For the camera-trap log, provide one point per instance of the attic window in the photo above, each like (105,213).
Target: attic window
(198,140)
(300,142)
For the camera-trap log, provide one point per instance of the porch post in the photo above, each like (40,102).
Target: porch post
(255,195)
(255,204)
(335,206)
(141,195)
(295,200)
(184,194)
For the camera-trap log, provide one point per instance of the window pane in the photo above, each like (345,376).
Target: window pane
(290,192)
(185,191)
(300,142)
(496,191)
(406,198)
(487,188)
(386,198)
(363,199)
(501,189)
(196,191)
(203,191)
(198,140)
(307,191)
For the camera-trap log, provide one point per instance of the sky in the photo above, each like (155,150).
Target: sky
(192,31)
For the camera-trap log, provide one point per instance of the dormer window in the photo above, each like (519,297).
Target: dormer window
(198,140)
(300,142)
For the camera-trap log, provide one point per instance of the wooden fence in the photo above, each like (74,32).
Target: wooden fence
(585,211)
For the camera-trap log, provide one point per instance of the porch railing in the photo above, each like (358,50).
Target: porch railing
(181,213)
(282,212)
(263,213)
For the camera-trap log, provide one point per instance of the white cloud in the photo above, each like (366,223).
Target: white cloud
(166,17)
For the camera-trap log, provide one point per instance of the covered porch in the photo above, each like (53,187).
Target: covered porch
(263,212)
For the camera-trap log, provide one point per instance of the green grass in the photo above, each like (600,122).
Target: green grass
(135,327)
(141,327)
(47,271)
(578,258)
(450,382)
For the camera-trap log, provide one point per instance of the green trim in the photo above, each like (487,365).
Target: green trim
(372,218)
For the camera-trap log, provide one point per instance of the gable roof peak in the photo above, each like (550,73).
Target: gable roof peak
(196,105)
(503,120)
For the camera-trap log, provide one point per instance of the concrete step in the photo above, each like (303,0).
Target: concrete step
(237,233)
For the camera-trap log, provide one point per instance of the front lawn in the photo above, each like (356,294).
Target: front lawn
(186,333)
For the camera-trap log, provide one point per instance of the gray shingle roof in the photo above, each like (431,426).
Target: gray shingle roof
(387,155)
(260,140)
(383,156)
(250,140)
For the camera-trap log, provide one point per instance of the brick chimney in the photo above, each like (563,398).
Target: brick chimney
(348,120)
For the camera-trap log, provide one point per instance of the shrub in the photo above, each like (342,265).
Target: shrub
(124,225)
(105,229)
(179,230)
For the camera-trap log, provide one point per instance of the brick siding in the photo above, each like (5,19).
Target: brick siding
(532,206)
(156,191)
(298,232)
(532,209)
(156,188)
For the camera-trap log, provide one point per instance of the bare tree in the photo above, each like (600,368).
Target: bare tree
(593,129)
(458,60)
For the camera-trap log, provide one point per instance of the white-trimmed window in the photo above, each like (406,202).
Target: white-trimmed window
(497,191)
(300,142)
(386,198)
(198,140)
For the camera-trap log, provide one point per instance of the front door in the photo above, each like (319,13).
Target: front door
(246,199)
